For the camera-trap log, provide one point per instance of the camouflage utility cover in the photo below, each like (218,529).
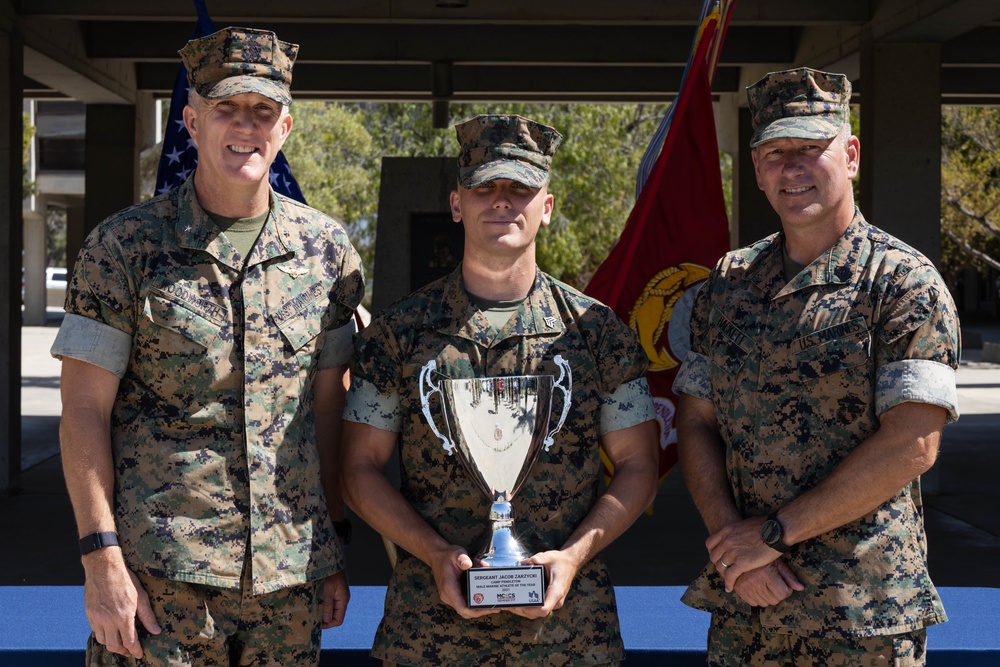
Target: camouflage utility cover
(240,60)
(799,374)
(439,322)
(212,430)
(510,147)
(799,103)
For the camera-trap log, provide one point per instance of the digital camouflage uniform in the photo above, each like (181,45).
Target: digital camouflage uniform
(438,322)
(798,375)
(212,430)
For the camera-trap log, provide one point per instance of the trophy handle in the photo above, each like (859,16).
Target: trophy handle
(565,373)
(425,406)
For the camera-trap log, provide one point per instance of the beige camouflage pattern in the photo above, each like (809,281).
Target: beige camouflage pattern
(439,322)
(799,103)
(735,644)
(212,430)
(792,373)
(240,60)
(509,147)
(231,627)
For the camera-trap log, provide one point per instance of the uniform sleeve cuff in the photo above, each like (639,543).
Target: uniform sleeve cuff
(365,404)
(338,344)
(94,342)
(694,377)
(630,404)
(916,381)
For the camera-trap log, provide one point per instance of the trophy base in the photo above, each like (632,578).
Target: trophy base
(518,586)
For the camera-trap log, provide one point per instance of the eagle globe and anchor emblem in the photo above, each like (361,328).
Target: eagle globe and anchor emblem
(667,298)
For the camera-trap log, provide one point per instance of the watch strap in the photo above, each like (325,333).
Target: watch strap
(779,544)
(96,541)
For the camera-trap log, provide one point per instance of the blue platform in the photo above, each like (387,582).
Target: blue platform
(45,626)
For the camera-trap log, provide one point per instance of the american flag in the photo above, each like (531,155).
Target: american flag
(179,155)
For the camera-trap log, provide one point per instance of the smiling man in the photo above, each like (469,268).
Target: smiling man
(204,352)
(499,315)
(821,374)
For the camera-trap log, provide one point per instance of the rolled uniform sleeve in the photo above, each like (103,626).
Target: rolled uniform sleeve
(918,346)
(367,405)
(694,377)
(374,396)
(627,406)
(99,320)
(93,342)
(337,345)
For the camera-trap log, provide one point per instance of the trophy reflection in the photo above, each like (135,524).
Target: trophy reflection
(498,426)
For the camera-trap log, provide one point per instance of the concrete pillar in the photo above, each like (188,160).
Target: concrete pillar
(414,226)
(75,235)
(901,141)
(35,229)
(11,173)
(756,217)
(35,233)
(111,164)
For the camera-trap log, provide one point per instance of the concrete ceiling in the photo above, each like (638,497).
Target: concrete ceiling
(105,51)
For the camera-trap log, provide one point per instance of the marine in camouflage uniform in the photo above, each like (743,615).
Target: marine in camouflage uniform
(794,371)
(425,623)
(208,354)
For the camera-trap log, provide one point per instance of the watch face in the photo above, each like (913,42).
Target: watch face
(771,532)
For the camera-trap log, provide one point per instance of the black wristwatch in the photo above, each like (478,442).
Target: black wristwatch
(343,529)
(96,541)
(772,533)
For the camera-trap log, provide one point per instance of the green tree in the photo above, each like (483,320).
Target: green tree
(27,185)
(336,150)
(331,155)
(55,238)
(593,179)
(970,189)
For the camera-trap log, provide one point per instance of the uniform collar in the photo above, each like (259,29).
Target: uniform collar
(836,266)
(456,315)
(196,230)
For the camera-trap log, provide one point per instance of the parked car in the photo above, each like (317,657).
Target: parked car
(55,286)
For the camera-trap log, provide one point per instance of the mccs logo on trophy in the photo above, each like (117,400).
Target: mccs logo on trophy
(498,426)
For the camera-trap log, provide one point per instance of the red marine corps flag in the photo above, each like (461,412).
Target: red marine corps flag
(676,232)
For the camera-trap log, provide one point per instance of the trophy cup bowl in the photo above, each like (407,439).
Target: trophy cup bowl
(498,427)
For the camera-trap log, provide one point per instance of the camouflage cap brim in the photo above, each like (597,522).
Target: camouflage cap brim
(798,127)
(526,174)
(236,85)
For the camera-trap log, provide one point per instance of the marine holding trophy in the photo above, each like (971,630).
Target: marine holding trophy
(500,384)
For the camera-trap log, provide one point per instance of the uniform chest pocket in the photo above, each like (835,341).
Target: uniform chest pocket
(833,356)
(198,325)
(300,327)
(730,347)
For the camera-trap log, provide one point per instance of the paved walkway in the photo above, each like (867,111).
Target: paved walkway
(962,495)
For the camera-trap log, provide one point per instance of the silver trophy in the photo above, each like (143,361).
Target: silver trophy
(498,426)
